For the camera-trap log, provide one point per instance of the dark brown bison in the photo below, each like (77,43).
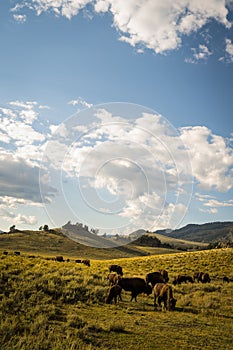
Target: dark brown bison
(113,278)
(17,253)
(201,277)
(135,285)
(86,262)
(198,276)
(59,258)
(116,268)
(226,279)
(78,261)
(205,278)
(114,292)
(163,293)
(182,278)
(154,277)
(164,274)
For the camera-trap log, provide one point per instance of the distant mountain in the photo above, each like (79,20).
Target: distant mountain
(209,232)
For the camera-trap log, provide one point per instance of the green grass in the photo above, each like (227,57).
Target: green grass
(55,243)
(51,305)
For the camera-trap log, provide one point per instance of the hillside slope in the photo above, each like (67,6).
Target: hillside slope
(54,242)
(209,232)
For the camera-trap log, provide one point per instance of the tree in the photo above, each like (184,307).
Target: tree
(40,228)
(12,228)
(46,228)
(95,231)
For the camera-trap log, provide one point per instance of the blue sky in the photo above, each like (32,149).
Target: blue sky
(60,57)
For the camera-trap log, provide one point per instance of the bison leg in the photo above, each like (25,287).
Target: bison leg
(155,304)
(133,296)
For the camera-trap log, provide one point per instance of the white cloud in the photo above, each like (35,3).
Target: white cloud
(59,130)
(19,131)
(18,219)
(215,203)
(202,53)
(80,102)
(159,25)
(141,163)
(155,24)
(19,179)
(229,49)
(102,6)
(210,157)
(20,18)
(25,110)
(66,8)
(209,211)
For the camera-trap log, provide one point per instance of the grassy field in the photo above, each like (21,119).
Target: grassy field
(46,304)
(55,243)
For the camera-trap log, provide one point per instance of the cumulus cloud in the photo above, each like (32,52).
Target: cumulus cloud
(211,158)
(140,168)
(21,151)
(17,219)
(133,168)
(20,180)
(155,24)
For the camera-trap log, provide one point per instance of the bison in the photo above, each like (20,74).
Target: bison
(113,278)
(163,292)
(226,279)
(201,277)
(154,277)
(135,285)
(114,292)
(116,268)
(182,278)
(59,258)
(164,274)
(198,276)
(86,262)
(205,278)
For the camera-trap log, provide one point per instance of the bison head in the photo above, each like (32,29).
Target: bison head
(171,304)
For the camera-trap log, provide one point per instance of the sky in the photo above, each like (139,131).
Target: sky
(116,114)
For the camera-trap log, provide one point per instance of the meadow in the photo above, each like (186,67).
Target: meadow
(45,304)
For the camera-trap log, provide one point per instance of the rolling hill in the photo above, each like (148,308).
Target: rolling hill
(54,242)
(209,232)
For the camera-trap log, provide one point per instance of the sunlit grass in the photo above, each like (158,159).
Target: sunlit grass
(46,304)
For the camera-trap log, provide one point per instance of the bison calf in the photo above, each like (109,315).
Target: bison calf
(163,293)
(114,292)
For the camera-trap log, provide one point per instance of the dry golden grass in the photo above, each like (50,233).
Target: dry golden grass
(52,305)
